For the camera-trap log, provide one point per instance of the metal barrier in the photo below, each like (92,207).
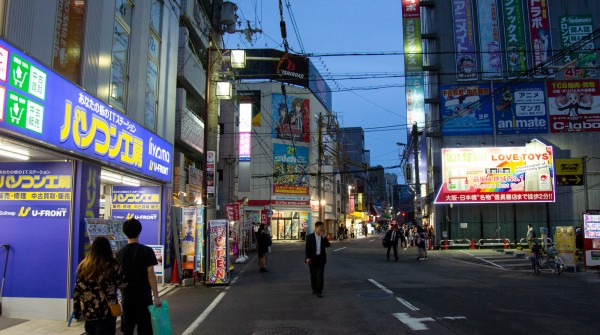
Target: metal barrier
(493,243)
(523,242)
(455,244)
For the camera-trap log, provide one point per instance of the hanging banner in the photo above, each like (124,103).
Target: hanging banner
(489,39)
(291,117)
(464,40)
(572,30)
(497,175)
(199,259)
(188,237)
(141,203)
(521,109)
(574,106)
(233,212)
(540,37)
(514,37)
(466,109)
(290,167)
(218,252)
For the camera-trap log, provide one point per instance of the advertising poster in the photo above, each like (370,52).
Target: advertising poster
(540,37)
(521,109)
(141,203)
(290,167)
(159,252)
(199,259)
(291,117)
(464,40)
(415,102)
(572,30)
(35,216)
(411,28)
(188,237)
(211,162)
(565,244)
(514,37)
(79,122)
(497,175)
(591,239)
(489,39)
(218,253)
(111,229)
(574,106)
(466,109)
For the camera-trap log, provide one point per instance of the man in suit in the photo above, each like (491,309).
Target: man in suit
(316,257)
(392,236)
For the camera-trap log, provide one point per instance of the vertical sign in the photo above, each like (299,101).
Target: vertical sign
(218,253)
(572,30)
(540,37)
(188,237)
(245,129)
(252,98)
(462,111)
(68,38)
(413,63)
(574,106)
(142,203)
(489,39)
(514,36)
(199,260)
(464,40)
(210,173)
(521,109)
(159,269)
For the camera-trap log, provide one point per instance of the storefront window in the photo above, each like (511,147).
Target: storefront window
(285,225)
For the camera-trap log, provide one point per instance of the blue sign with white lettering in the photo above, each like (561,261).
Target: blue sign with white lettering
(37,103)
(521,109)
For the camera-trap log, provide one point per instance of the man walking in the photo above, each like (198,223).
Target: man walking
(137,261)
(392,237)
(316,257)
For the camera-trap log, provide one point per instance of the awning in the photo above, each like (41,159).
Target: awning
(373,211)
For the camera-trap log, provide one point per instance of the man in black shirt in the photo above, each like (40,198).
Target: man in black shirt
(137,261)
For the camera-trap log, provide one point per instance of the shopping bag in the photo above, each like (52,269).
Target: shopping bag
(161,324)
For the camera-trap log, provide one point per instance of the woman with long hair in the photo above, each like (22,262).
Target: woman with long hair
(99,276)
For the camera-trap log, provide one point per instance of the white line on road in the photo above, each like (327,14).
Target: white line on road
(339,249)
(407,304)
(412,323)
(204,314)
(492,263)
(468,253)
(453,317)
(385,289)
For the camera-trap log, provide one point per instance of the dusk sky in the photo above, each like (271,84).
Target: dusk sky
(376,101)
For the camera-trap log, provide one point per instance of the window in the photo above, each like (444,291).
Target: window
(152,77)
(120,52)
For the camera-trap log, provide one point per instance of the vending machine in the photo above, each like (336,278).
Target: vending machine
(591,239)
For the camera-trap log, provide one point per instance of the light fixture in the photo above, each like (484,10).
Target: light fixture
(130,181)
(111,178)
(238,59)
(14,153)
(224,90)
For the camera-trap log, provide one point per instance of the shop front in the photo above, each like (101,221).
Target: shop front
(71,169)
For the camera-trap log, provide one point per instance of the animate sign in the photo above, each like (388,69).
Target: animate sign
(39,104)
(497,175)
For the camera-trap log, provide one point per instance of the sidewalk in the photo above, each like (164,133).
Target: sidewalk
(10,326)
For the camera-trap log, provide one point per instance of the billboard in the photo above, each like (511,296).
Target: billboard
(497,175)
(489,39)
(291,117)
(514,37)
(290,169)
(464,40)
(520,109)
(540,36)
(574,106)
(572,30)
(466,109)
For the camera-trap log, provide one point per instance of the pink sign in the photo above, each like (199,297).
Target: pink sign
(574,106)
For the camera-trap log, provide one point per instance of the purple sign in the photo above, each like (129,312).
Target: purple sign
(37,103)
(464,40)
(142,203)
(35,212)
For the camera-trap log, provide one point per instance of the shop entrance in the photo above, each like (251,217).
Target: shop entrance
(285,228)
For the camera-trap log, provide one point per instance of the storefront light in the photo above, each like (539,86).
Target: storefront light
(15,154)
(130,181)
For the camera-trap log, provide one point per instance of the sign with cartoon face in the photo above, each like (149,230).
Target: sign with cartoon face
(574,106)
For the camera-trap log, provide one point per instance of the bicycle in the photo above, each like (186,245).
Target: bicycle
(552,262)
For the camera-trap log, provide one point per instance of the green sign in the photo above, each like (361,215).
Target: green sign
(572,30)
(24,113)
(28,78)
(514,36)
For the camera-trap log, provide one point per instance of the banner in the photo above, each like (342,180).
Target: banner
(489,39)
(218,252)
(188,237)
(141,203)
(199,259)
(233,212)
(521,109)
(514,37)
(464,40)
(572,30)
(291,117)
(290,169)
(574,106)
(466,109)
(68,39)
(540,36)
(497,174)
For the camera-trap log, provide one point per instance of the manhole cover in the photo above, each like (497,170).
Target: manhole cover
(376,295)
(283,331)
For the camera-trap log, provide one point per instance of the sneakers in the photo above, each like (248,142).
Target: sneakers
(422,258)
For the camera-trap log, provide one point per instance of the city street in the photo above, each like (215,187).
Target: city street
(453,292)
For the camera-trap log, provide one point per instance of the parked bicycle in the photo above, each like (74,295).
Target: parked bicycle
(552,261)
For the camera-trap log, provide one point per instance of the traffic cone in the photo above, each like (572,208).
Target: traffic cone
(445,244)
(175,272)
(505,244)
(430,246)
(472,243)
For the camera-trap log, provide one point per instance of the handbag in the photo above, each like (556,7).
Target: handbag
(385,242)
(115,309)
(159,316)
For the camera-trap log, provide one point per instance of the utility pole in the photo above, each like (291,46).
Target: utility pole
(319,165)
(415,140)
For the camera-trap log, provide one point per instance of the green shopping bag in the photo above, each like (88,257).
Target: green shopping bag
(161,324)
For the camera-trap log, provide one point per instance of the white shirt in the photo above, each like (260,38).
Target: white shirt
(318,244)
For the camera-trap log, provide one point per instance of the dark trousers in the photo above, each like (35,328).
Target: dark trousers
(403,242)
(395,247)
(317,271)
(136,314)
(105,326)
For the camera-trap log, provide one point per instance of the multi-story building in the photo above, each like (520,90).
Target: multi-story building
(505,98)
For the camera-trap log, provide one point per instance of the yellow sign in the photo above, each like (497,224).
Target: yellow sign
(571,166)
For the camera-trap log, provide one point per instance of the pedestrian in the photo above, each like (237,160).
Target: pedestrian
(340,233)
(403,241)
(138,263)
(392,237)
(421,243)
(99,275)
(530,236)
(263,239)
(316,257)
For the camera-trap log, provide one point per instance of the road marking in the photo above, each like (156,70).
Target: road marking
(468,253)
(412,323)
(204,314)
(453,317)
(492,263)
(385,289)
(407,304)
(342,248)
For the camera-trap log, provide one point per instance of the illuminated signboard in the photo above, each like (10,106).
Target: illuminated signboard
(37,103)
(497,175)
(245,127)
(140,202)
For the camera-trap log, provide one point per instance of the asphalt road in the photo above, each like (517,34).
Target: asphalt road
(453,292)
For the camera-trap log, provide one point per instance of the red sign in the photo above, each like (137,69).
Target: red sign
(233,212)
(264,216)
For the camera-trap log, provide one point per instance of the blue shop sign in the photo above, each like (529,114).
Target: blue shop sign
(37,103)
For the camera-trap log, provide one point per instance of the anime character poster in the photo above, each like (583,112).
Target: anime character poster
(574,106)
(290,169)
(572,30)
(540,37)
(520,109)
(514,37)
(291,117)
(464,40)
(466,109)
(489,39)
(188,237)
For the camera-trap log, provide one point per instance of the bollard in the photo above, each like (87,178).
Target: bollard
(472,243)
(446,244)
(505,244)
